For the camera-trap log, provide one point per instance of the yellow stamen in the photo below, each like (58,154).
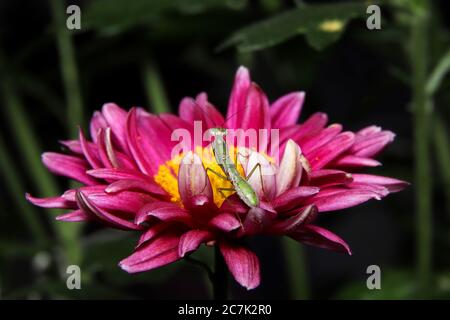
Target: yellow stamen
(167,176)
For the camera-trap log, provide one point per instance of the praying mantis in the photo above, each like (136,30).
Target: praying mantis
(240,184)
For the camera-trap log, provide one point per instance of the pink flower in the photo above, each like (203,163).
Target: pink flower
(133,180)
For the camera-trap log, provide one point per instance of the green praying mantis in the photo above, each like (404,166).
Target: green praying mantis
(240,184)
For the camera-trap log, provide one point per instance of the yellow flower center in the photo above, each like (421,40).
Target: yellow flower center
(167,176)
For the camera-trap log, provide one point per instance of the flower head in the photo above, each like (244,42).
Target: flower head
(151,174)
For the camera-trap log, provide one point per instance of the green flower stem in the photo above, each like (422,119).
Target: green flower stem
(74,101)
(68,67)
(421,122)
(30,152)
(295,260)
(442,143)
(13,180)
(154,88)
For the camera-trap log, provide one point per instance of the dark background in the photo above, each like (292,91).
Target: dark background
(361,79)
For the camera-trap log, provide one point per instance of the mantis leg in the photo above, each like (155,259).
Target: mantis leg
(217,174)
(257,166)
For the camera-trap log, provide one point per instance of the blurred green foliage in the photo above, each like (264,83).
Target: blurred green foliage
(267,29)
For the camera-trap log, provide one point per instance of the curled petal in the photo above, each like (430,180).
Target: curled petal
(263,178)
(98,122)
(52,202)
(320,237)
(116,118)
(152,232)
(159,252)
(89,152)
(242,263)
(102,215)
(328,177)
(191,240)
(290,170)
(286,110)
(74,216)
(74,146)
(165,211)
(289,225)
(193,180)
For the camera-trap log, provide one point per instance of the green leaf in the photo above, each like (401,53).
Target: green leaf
(438,74)
(115,16)
(322,24)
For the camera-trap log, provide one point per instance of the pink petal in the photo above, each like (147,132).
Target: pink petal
(290,169)
(193,180)
(148,139)
(125,202)
(152,232)
(165,211)
(102,215)
(350,161)
(98,122)
(242,263)
(286,110)
(337,199)
(238,97)
(320,237)
(117,174)
(74,216)
(135,185)
(74,146)
(191,240)
(293,197)
(311,127)
(68,166)
(191,110)
(234,204)
(52,202)
(329,177)
(393,185)
(116,118)
(292,223)
(225,221)
(263,178)
(338,145)
(311,143)
(370,144)
(256,221)
(89,152)
(252,117)
(161,251)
